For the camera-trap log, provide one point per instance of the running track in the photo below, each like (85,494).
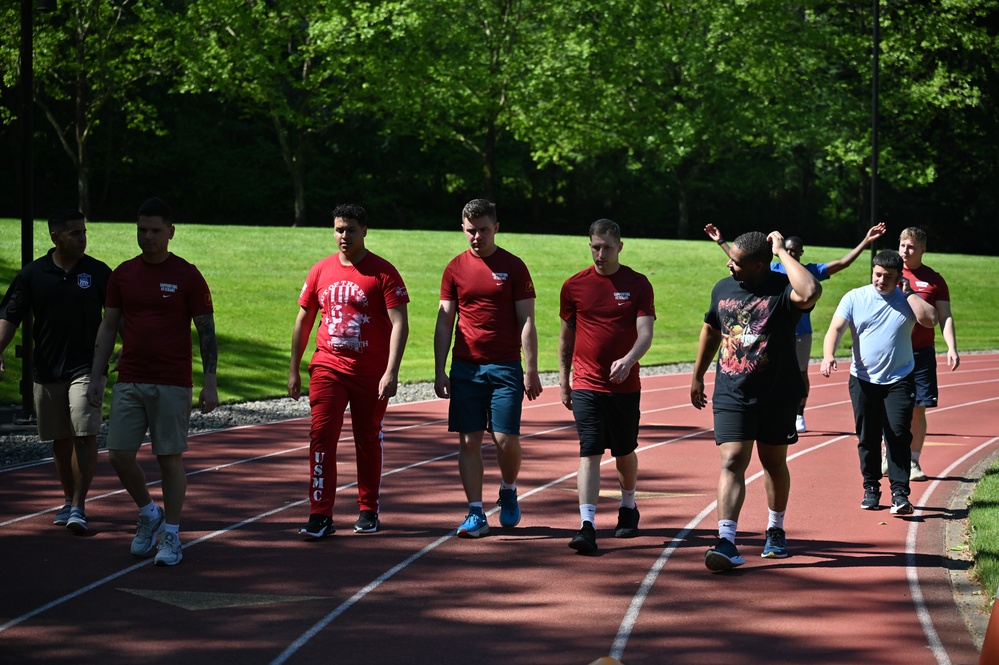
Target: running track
(859,587)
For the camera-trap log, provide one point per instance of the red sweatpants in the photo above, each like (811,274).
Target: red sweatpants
(329,394)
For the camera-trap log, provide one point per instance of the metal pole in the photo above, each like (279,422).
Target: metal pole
(874,113)
(27,196)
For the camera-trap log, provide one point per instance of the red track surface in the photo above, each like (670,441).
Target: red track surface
(859,587)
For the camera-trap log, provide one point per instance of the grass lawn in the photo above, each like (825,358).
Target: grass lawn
(255,274)
(983,522)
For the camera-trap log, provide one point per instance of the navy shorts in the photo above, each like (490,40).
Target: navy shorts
(606,421)
(772,424)
(925,375)
(486,397)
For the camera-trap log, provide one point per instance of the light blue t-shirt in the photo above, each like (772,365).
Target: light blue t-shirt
(882,334)
(821,273)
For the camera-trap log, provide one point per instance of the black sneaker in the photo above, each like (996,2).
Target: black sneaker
(318,527)
(367,522)
(627,522)
(900,505)
(872,499)
(585,540)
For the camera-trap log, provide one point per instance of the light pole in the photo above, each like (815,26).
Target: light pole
(27,75)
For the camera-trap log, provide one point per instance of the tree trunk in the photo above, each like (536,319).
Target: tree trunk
(489,161)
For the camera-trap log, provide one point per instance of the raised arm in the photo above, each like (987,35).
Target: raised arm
(620,369)
(389,383)
(566,346)
(7,330)
(446,312)
(103,347)
(873,234)
(209,398)
(805,288)
(529,342)
(715,234)
(707,347)
(926,314)
(301,333)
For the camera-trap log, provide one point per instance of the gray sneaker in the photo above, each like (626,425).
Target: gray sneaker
(168,552)
(146,532)
(77,522)
(62,517)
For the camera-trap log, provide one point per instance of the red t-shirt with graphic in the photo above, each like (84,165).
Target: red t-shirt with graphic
(931,287)
(605,309)
(157,302)
(487,290)
(353,302)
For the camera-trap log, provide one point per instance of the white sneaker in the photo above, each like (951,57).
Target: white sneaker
(146,533)
(799,424)
(168,553)
(915,473)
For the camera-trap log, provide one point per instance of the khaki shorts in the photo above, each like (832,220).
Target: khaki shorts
(63,410)
(164,410)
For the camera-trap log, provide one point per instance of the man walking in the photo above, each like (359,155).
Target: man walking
(881,318)
(490,293)
(152,299)
(608,313)
(64,292)
(359,348)
(758,386)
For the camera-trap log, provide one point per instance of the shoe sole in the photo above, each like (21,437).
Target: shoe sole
(775,555)
(164,562)
(371,529)
(308,535)
(902,510)
(863,507)
(583,546)
(626,532)
(918,478)
(719,563)
(478,533)
(77,528)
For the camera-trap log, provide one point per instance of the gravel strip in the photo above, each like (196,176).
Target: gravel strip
(20,445)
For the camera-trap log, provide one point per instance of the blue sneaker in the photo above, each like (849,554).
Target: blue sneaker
(723,556)
(509,508)
(776,547)
(475,525)
(62,517)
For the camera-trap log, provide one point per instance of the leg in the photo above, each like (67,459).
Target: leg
(735,458)
(328,399)
(777,478)
(588,480)
(174,486)
(627,471)
(84,466)
(62,456)
(868,413)
(898,409)
(508,455)
(131,475)
(367,414)
(470,464)
(918,430)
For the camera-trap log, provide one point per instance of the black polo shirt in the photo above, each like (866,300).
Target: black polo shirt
(67,308)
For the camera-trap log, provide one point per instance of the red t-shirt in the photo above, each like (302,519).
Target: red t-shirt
(157,302)
(487,290)
(931,287)
(605,309)
(353,302)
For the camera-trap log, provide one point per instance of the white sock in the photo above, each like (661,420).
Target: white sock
(149,512)
(587,513)
(726,530)
(915,455)
(628,497)
(776,520)
(511,486)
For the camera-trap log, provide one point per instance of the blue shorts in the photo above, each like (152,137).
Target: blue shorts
(772,424)
(925,375)
(486,397)
(606,421)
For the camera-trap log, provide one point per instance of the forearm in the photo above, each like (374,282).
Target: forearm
(707,347)
(397,346)
(566,347)
(948,332)
(803,282)
(831,342)
(529,342)
(926,314)
(208,343)
(7,331)
(103,348)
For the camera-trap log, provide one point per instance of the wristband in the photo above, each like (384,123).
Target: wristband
(721,242)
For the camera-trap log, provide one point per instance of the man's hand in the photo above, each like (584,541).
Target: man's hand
(953,360)
(442,386)
(388,385)
(532,385)
(776,241)
(875,232)
(294,385)
(828,366)
(713,232)
(620,369)
(3,367)
(565,393)
(95,390)
(697,396)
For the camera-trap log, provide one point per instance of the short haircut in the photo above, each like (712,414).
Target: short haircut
(156,207)
(889,259)
(59,219)
(755,246)
(794,240)
(351,211)
(913,233)
(606,227)
(479,208)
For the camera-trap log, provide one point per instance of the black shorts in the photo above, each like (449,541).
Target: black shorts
(606,421)
(925,376)
(772,424)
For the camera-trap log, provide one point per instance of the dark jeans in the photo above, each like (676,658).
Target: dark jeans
(884,409)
